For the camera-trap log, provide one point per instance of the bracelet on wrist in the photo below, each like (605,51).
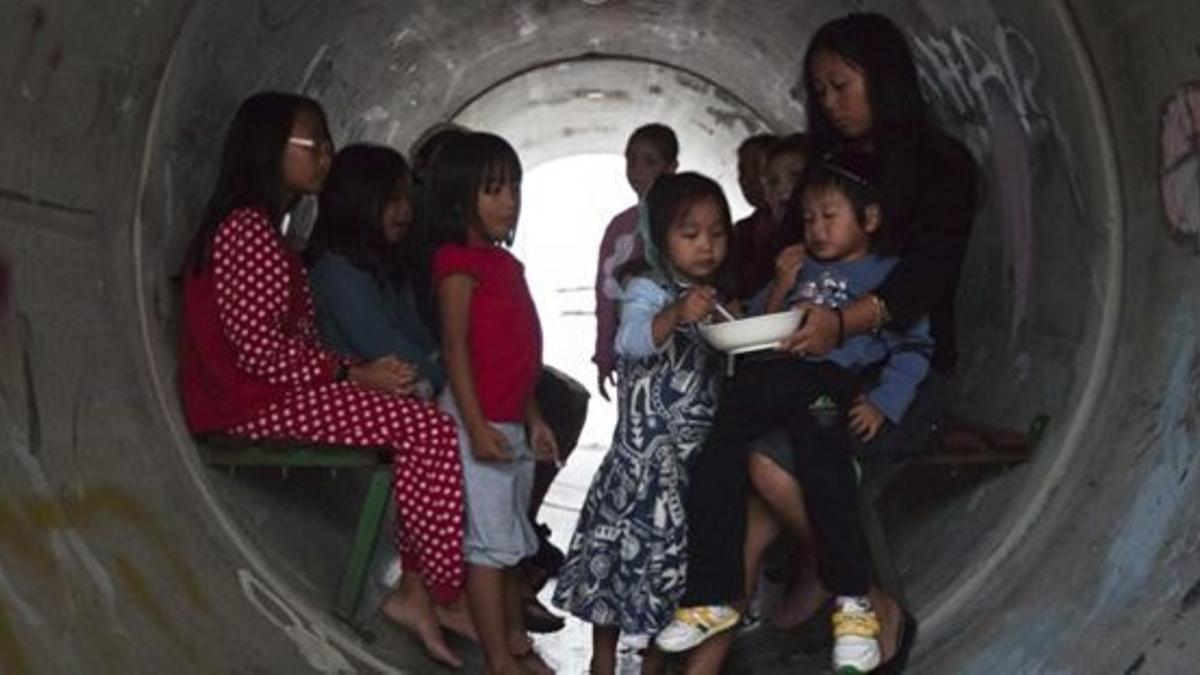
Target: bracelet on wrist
(882,316)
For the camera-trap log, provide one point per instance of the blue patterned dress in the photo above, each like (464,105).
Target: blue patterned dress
(627,564)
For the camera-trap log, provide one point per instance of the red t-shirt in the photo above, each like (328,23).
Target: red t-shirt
(248,338)
(504,336)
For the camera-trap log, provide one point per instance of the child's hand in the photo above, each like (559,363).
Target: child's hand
(865,419)
(695,304)
(542,442)
(788,264)
(816,336)
(734,307)
(404,370)
(489,445)
(388,374)
(605,377)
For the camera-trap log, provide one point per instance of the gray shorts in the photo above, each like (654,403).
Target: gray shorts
(498,532)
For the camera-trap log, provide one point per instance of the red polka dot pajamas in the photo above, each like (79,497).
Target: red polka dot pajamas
(251,366)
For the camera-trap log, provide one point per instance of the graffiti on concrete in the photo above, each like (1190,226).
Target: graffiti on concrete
(1167,428)
(1179,182)
(989,96)
(310,640)
(963,77)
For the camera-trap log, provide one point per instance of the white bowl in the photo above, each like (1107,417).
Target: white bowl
(752,334)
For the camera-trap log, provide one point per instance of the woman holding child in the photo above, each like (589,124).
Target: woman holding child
(862,97)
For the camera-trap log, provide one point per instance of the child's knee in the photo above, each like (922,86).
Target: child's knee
(765,473)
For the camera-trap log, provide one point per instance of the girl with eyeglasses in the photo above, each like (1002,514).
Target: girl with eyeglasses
(251,366)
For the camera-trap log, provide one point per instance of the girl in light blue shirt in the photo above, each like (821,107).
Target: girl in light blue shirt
(626,567)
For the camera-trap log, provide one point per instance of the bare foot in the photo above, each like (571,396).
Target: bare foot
(520,646)
(802,603)
(417,617)
(456,618)
(533,663)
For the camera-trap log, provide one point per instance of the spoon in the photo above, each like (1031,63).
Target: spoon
(716,304)
(724,312)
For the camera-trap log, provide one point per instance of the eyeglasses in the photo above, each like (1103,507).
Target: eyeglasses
(311,144)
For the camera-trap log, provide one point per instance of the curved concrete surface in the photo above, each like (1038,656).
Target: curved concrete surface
(120,553)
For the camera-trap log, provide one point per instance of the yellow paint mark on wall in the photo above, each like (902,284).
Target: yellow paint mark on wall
(26,524)
(138,588)
(12,653)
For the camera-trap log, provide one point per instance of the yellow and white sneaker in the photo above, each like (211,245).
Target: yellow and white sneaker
(693,625)
(855,637)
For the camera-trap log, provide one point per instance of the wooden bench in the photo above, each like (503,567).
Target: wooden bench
(564,403)
(957,443)
(963,442)
(232,453)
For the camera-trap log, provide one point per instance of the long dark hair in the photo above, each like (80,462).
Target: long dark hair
(904,135)
(467,164)
(426,162)
(361,181)
(425,150)
(874,44)
(669,199)
(250,172)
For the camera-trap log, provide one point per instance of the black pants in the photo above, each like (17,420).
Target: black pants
(564,405)
(810,400)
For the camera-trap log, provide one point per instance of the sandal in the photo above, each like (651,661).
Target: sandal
(908,637)
(549,557)
(539,619)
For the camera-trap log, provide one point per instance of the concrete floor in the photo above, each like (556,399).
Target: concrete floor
(568,651)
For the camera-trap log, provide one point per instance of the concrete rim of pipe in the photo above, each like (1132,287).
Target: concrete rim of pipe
(941,611)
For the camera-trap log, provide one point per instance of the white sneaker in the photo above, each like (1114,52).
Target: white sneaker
(855,637)
(693,625)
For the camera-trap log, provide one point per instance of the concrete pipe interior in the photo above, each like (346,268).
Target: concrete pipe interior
(120,551)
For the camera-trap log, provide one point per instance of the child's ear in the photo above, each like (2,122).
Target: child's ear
(672,167)
(874,218)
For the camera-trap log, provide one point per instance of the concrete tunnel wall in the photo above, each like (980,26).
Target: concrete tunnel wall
(119,552)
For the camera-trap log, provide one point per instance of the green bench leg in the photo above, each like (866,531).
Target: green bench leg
(371,516)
